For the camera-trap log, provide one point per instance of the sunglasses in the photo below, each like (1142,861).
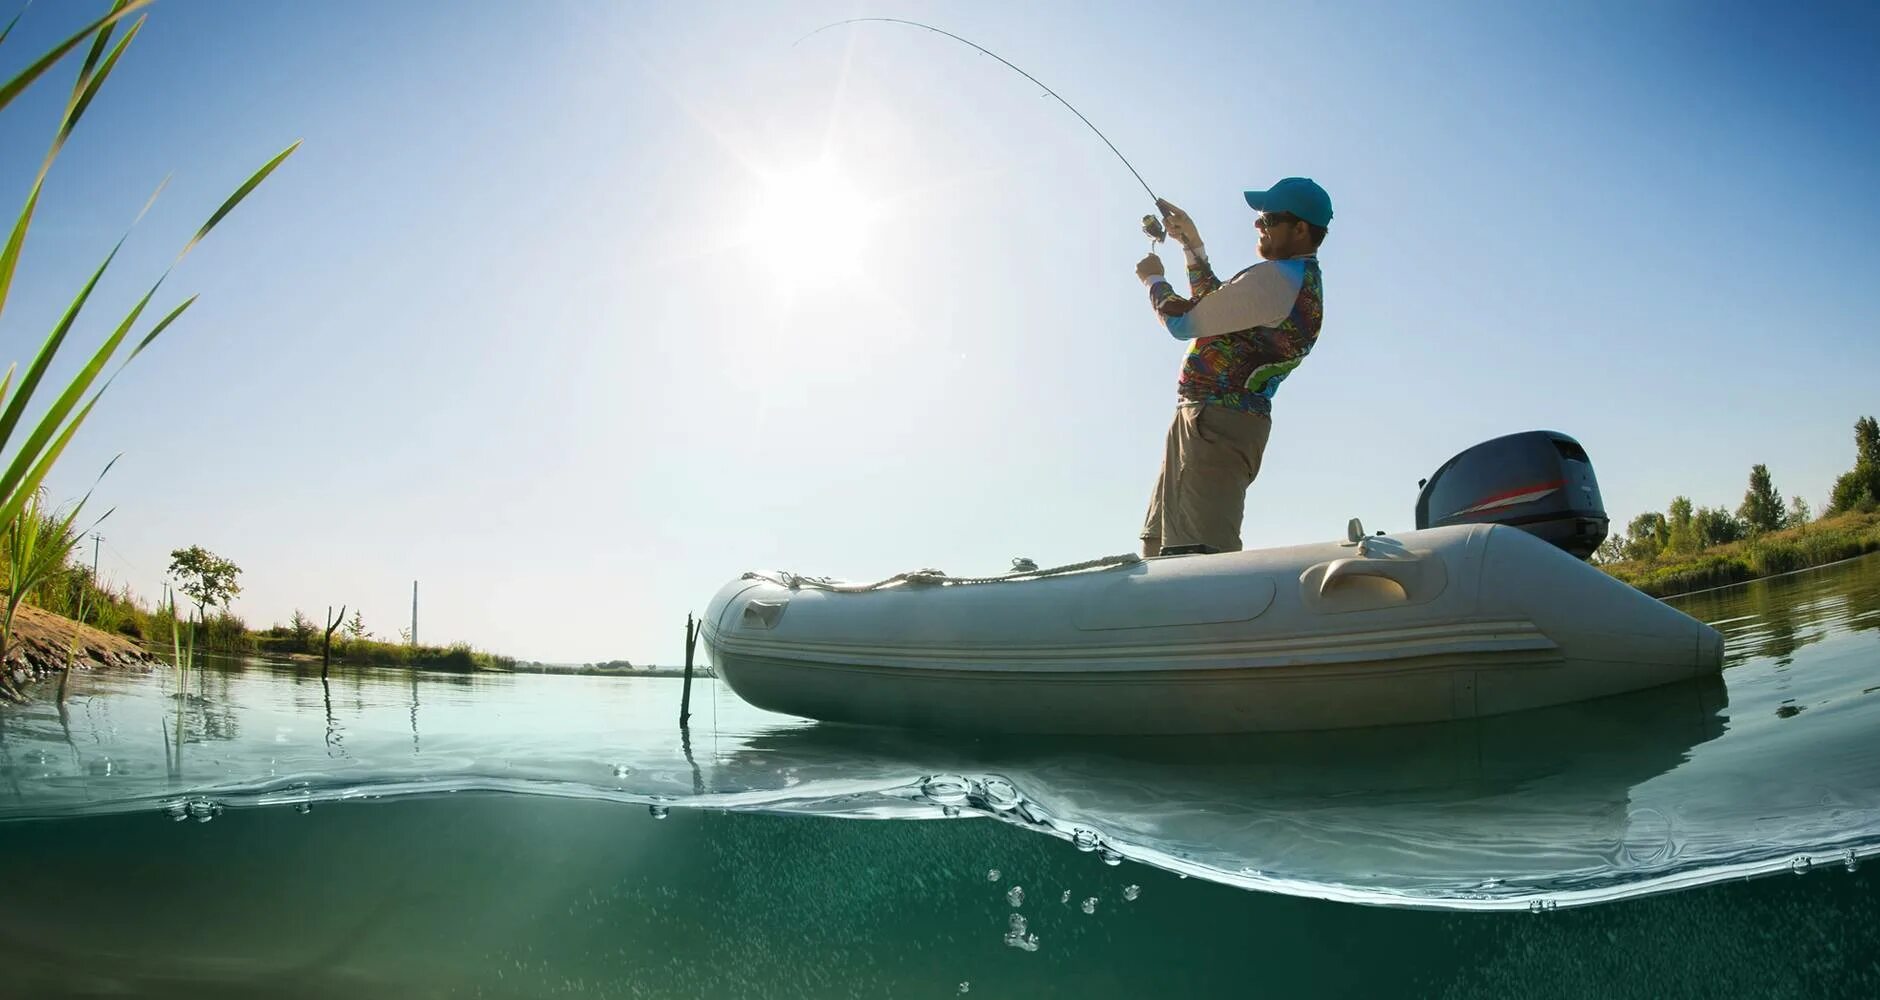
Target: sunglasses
(1270,219)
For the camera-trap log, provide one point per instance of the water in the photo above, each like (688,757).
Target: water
(391,835)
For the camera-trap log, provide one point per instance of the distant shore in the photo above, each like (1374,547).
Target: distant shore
(1819,543)
(597,670)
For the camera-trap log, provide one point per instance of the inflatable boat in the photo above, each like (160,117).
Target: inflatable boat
(1487,607)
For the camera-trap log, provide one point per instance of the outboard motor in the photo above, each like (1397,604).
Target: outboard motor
(1539,481)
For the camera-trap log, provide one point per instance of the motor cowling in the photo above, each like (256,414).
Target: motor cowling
(1539,481)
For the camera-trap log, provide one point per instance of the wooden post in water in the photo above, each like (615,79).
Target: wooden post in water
(685,695)
(326,644)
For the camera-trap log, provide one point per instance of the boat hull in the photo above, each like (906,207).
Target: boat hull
(1449,623)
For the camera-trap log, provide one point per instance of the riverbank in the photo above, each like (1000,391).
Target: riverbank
(1816,544)
(42,641)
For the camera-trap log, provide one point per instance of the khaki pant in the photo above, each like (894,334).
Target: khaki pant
(1212,456)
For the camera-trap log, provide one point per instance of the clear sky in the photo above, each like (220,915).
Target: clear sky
(575,311)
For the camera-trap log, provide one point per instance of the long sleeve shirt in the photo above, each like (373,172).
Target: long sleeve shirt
(1246,334)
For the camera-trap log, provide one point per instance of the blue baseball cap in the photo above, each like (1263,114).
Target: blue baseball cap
(1299,195)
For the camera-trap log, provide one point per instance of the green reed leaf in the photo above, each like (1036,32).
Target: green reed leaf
(14,87)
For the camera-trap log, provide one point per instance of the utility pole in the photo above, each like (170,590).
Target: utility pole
(95,539)
(414,612)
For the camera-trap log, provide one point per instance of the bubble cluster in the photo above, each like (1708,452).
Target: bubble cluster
(1090,905)
(992,874)
(1131,891)
(658,811)
(1016,895)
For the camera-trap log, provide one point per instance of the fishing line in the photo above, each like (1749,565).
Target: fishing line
(1150,224)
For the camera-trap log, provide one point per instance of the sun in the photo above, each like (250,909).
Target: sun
(809,225)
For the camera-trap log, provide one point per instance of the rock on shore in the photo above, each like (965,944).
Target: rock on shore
(41,641)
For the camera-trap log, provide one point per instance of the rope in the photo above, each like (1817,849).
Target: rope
(937,578)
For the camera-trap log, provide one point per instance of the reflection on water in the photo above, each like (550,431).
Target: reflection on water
(1772,766)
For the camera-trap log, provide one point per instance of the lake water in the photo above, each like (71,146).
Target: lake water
(391,835)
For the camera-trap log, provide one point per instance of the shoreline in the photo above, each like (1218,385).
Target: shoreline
(1791,550)
(42,640)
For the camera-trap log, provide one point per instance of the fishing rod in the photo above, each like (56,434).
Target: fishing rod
(1151,225)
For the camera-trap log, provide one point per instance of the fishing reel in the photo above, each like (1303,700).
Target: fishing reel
(1152,228)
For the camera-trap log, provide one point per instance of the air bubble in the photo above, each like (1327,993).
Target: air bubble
(1542,906)
(1021,940)
(1111,857)
(1090,905)
(945,789)
(1849,860)
(303,808)
(1085,840)
(992,874)
(1066,898)
(966,987)
(658,811)
(1017,923)
(622,770)
(204,810)
(1130,892)
(1000,795)
(950,811)
(1801,864)
(1016,895)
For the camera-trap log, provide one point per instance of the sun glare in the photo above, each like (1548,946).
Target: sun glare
(809,226)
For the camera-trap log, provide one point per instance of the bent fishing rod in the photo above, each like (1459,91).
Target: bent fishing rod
(1151,225)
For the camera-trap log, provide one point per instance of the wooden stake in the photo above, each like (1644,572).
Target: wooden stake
(685,696)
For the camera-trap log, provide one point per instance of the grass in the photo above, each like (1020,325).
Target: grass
(1815,544)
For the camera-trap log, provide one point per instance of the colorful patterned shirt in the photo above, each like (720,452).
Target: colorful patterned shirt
(1248,333)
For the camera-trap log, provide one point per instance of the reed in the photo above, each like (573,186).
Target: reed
(28,450)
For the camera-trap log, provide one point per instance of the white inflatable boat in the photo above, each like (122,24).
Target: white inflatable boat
(1453,621)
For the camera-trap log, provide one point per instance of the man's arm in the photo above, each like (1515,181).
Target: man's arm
(1262,295)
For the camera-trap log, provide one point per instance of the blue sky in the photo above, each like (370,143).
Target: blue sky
(574,311)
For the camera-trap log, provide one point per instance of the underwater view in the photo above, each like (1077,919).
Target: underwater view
(261,832)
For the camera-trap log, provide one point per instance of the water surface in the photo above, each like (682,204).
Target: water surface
(495,835)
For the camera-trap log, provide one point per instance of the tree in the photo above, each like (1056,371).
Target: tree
(1859,487)
(303,629)
(1799,513)
(1715,526)
(1762,505)
(1611,550)
(1645,536)
(1680,527)
(357,627)
(207,578)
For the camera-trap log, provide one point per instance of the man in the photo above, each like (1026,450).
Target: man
(1246,336)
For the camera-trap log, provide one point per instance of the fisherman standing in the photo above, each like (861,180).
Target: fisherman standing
(1246,336)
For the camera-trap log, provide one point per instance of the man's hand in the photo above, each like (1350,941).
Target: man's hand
(1149,268)
(1181,228)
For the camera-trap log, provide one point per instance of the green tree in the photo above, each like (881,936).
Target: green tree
(1611,550)
(1645,536)
(1680,527)
(1762,505)
(1716,526)
(1799,512)
(207,578)
(1859,487)
(357,627)
(303,629)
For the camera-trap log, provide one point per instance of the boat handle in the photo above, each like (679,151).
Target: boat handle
(762,614)
(1344,569)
